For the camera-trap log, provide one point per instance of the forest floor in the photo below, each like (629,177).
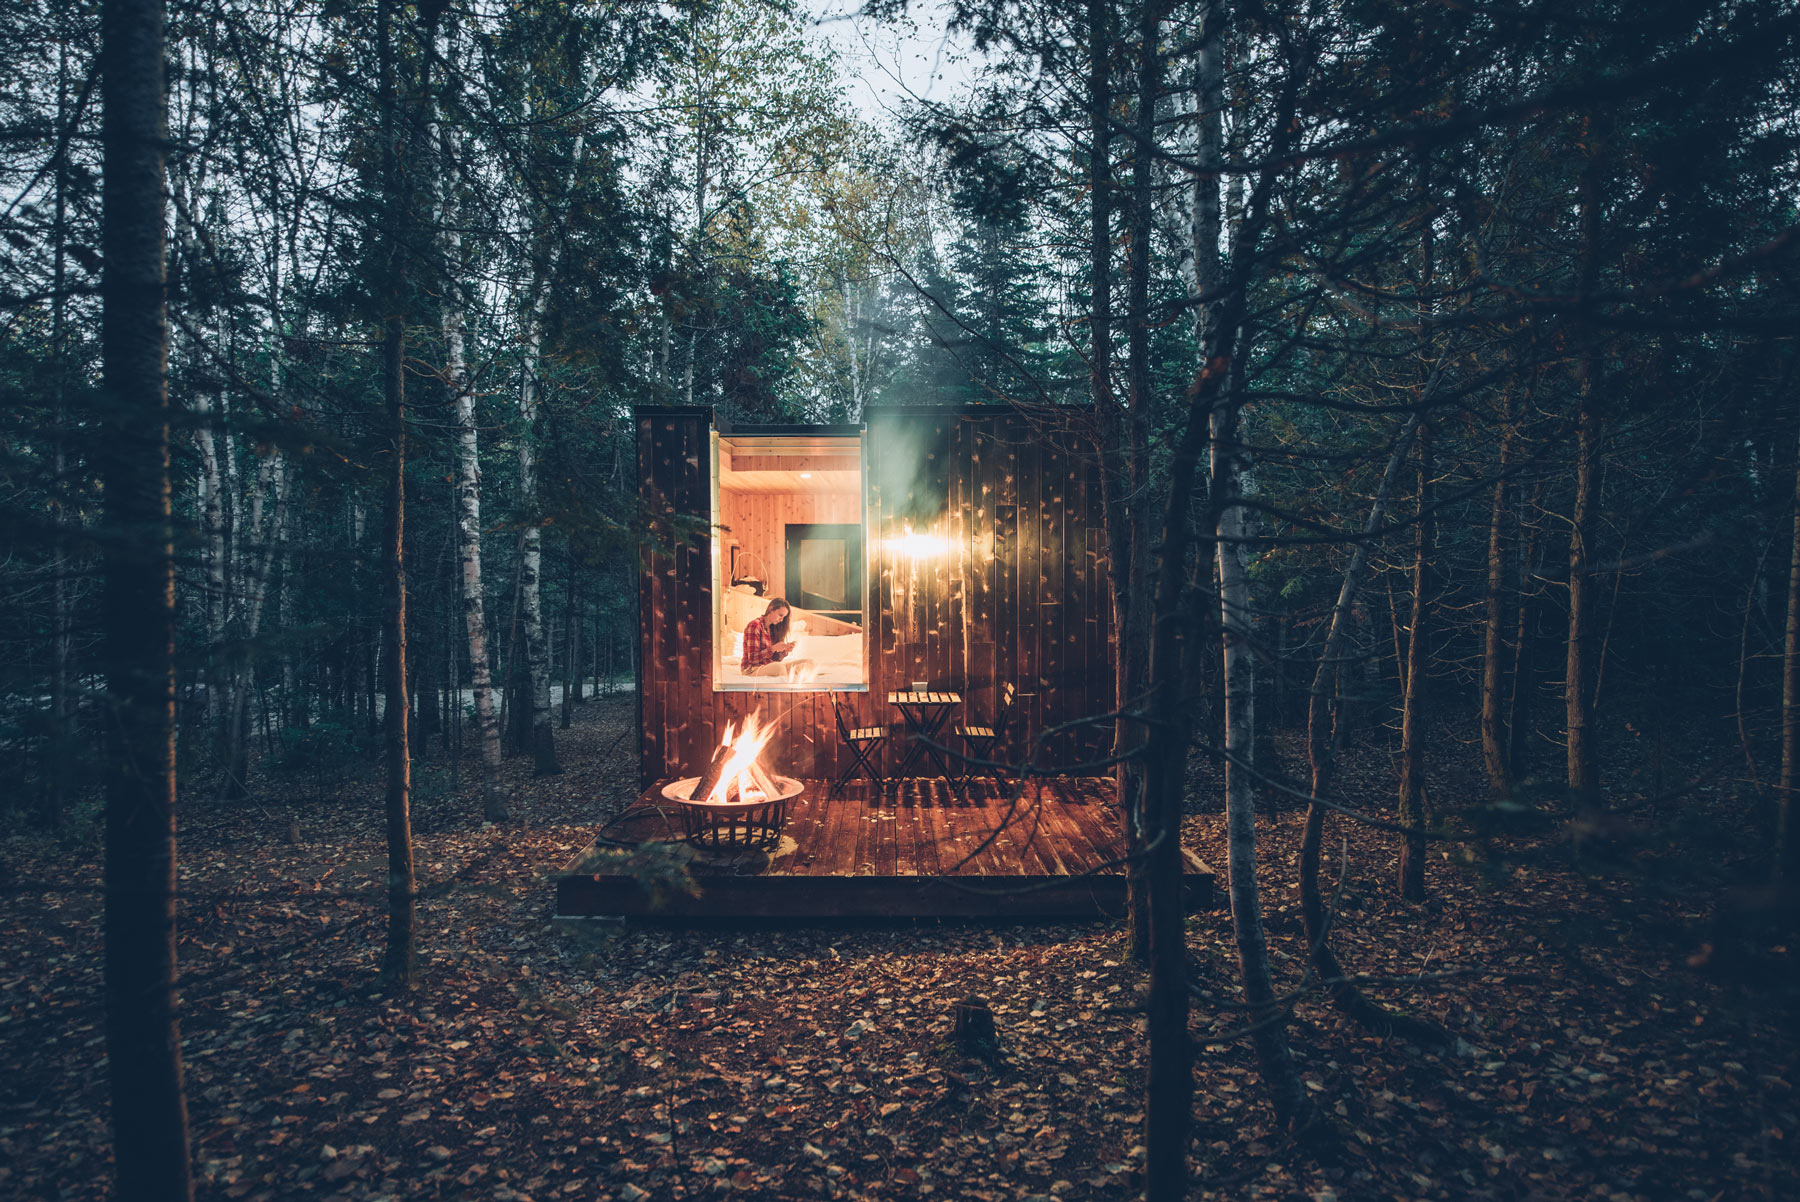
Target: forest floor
(592,1060)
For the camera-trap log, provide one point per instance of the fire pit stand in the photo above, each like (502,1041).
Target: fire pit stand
(753,823)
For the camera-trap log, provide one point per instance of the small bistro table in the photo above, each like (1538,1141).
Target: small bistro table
(925,715)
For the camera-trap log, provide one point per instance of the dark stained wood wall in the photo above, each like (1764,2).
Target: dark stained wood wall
(1016,592)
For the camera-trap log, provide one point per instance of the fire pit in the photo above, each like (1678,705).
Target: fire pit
(746,820)
(736,801)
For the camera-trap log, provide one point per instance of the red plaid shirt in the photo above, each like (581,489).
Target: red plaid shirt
(758,647)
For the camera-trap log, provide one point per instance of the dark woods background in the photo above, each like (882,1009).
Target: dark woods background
(1524,224)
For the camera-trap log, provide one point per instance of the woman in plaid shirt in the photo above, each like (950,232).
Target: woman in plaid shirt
(765,641)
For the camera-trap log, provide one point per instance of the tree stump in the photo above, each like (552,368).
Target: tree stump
(975,1034)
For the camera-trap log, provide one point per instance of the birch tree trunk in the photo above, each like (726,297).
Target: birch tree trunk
(531,558)
(453,313)
(537,647)
(210,483)
(1414,809)
(143,1038)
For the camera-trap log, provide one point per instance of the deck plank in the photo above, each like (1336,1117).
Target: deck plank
(919,854)
(1098,833)
(840,818)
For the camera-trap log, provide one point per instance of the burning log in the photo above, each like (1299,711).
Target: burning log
(709,780)
(762,781)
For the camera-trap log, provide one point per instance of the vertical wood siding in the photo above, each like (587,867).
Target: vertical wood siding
(1015,591)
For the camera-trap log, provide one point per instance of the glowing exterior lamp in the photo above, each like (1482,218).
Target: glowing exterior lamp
(918,546)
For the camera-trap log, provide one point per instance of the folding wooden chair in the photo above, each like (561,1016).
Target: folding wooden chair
(979,741)
(863,742)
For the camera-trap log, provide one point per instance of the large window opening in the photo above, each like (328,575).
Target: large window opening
(788,524)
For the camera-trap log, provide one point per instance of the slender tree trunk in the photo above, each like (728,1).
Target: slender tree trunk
(531,556)
(1518,718)
(1323,763)
(1583,767)
(1493,649)
(454,328)
(424,668)
(1206,239)
(468,504)
(143,1040)
(397,965)
(1117,475)
(1415,808)
(1124,504)
(1235,612)
(571,650)
(215,608)
(62,709)
(1583,770)
(1787,855)
(1169,1081)
(1214,402)
(267,524)
(515,709)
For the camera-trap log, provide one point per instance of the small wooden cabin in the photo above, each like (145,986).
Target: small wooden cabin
(961,547)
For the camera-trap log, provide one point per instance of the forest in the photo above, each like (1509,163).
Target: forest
(1431,371)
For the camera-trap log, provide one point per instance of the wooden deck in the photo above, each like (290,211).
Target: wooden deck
(920,849)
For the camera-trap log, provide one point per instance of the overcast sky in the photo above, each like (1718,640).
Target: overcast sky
(885,64)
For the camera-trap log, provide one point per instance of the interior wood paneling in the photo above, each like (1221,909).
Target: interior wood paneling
(759,521)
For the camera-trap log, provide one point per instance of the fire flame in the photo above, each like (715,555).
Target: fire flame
(745,746)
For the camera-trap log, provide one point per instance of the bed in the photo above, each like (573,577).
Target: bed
(834,647)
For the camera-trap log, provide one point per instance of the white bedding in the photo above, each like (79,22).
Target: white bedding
(836,660)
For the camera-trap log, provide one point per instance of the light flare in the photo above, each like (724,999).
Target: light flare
(916,545)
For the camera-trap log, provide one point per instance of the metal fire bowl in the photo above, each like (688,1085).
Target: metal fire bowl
(681,791)
(741,823)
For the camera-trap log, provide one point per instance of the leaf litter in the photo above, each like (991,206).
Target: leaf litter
(540,1060)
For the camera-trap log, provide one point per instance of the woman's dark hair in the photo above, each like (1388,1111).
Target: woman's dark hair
(778,630)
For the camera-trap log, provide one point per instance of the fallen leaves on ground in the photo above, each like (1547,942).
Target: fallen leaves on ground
(541,1060)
